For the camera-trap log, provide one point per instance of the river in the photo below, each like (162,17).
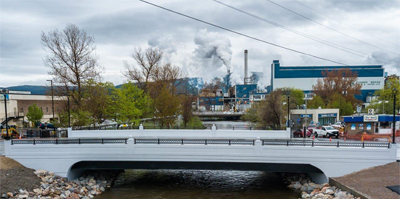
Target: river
(194,184)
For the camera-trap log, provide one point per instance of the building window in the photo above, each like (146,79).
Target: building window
(47,109)
(22,110)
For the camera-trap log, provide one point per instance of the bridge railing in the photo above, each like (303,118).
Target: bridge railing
(264,142)
(325,143)
(72,141)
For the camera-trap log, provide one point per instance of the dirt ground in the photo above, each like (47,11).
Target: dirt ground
(14,176)
(373,181)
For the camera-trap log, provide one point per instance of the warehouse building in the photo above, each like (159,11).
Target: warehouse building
(372,77)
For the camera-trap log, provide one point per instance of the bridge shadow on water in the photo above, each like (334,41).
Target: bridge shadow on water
(177,184)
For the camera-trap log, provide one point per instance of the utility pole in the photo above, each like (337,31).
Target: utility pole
(394,116)
(5,91)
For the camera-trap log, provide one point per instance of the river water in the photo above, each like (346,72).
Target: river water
(194,184)
(185,184)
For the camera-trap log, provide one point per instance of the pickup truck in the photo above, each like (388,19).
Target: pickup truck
(326,131)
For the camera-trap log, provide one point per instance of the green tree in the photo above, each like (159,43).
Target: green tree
(35,114)
(187,109)
(167,107)
(251,114)
(386,94)
(80,117)
(316,102)
(131,103)
(97,100)
(345,107)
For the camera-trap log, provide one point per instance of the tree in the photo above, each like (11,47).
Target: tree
(271,110)
(316,102)
(345,107)
(131,103)
(187,109)
(97,100)
(251,114)
(35,114)
(147,62)
(71,59)
(386,94)
(167,107)
(342,82)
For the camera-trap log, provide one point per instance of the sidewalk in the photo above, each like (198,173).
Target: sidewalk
(372,182)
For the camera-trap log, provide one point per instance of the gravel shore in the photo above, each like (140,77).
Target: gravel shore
(373,181)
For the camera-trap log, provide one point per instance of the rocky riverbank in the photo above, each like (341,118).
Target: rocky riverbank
(310,190)
(20,182)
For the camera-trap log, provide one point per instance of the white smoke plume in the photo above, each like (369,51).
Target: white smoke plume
(391,63)
(212,56)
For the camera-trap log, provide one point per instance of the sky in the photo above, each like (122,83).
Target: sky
(368,28)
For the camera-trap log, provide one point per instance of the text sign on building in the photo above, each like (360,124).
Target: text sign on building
(2,97)
(370,111)
(371,118)
(305,115)
(327,115)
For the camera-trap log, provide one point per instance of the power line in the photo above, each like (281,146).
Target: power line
(329,27)
(242,34)
(298,32)
(343,23)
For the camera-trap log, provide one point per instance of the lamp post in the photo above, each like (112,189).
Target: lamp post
(69,114)
(52,97)
(394,115)
(5,92)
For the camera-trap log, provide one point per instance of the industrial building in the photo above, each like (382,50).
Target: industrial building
(372,77)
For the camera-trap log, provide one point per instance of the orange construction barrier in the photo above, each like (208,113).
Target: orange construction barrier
(330,139)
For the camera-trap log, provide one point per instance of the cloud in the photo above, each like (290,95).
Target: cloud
(119,26)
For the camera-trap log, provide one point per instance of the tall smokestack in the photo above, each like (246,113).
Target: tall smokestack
(246,77)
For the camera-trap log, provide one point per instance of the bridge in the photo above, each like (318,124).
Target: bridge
(213,149)
(211,116)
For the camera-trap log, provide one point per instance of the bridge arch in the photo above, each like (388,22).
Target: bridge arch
(314,172)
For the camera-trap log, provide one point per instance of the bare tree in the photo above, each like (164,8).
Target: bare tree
(271,111)
(147,62)
(71,58)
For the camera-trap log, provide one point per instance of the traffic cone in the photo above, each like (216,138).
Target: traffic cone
(313,137)
(20,136)
(330,139)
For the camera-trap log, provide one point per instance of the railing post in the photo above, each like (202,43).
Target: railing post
(12,142)
(337,143)
(34,141)
(56,141)
(102,140)
(363,145)
(205,142)
(158,141)
(233,127)
(229,142)
(253,142)
(287,142)
(79,140)
(182,142)
(312,143)
(388,145)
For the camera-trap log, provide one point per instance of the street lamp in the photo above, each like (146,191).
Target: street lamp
(5,92)
(394,115)
(52,97)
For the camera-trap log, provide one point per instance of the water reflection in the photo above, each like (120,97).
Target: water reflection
(176,184)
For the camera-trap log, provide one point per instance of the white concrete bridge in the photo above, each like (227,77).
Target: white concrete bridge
(199,149)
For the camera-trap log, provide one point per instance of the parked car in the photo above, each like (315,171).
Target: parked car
(299,133)
(326,131)
(311,127)
(337,125)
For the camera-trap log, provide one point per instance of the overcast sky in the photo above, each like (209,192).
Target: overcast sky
(120,26)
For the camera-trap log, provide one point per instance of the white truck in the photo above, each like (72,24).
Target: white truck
(326,131)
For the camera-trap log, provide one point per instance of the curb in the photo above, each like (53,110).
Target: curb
(343,187)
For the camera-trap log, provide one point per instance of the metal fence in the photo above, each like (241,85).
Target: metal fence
(72,141)
(195,141)
(325,143)
(247,142)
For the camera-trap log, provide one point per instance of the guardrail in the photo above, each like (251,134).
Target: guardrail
(72,141)
(208,142)
(194,141)
(325,143)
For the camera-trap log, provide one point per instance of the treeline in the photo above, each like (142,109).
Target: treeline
(151,90)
